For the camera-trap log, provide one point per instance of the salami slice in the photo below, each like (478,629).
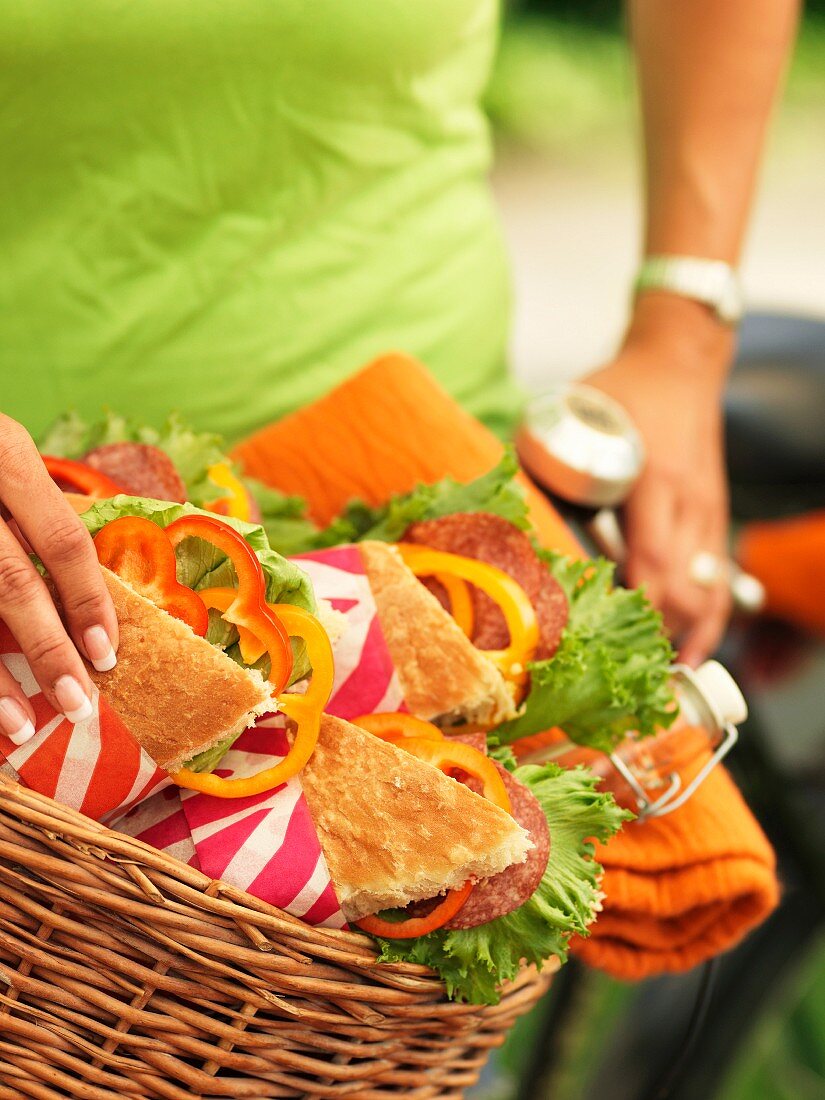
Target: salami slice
(492,539)
(142,470)
(495,897)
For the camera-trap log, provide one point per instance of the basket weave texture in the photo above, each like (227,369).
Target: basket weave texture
(125,973)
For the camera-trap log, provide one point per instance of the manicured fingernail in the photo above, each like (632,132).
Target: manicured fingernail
(73,700)
(16,724)
(99,648)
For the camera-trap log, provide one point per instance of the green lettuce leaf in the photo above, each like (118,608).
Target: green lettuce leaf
(474,962)
(285,520)
(610,674)
(201,565)
(191,452)
(496,492)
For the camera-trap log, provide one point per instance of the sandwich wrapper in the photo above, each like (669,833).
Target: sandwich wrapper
(265,844)
(95,766)
(679,889)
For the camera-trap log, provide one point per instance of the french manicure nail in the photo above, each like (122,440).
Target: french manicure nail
(16,724)
(99,649)
(73,700)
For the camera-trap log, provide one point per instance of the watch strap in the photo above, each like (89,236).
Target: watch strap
(714,283)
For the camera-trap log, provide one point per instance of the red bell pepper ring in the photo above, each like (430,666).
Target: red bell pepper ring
(413,927)
(142,555)
(92,483)
(248,609)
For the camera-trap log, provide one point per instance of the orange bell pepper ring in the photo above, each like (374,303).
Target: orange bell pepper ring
(305,710)
(248,608)
(397,726)
(82,478)
(142,555)
(461,602)
(418,926)
(235,502)
(518,611)
(427,742)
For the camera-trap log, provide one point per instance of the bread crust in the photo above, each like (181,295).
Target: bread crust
(395,829)
(442,674)
(177,693)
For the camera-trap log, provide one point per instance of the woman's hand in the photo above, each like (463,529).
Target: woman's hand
(670,377)
(35,516)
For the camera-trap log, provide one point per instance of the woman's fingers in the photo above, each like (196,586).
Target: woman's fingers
(51,527)
(30,614)
(706,632)
(665,530)
(649,521)
(16,712)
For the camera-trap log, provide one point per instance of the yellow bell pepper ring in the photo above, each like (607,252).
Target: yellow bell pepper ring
(461,601)
(305,710)
(235,502)
(519,613)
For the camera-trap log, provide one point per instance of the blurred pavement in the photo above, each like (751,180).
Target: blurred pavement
(573,234)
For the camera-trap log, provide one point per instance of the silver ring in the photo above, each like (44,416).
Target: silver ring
(707,569)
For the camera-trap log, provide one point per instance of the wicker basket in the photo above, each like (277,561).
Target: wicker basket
(125,973)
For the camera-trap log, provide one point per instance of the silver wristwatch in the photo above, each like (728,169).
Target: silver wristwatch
(712,282)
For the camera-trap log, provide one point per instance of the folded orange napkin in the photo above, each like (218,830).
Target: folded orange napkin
(681,888)
(678,889)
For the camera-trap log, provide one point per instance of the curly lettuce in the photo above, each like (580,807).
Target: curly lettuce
(474,962)
(496,492)
(611,672)
(193,453)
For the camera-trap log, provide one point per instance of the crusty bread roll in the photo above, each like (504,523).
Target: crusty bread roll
(394,829)
(177,693)
(444,678)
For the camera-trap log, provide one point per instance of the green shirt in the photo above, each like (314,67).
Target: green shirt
(227,206)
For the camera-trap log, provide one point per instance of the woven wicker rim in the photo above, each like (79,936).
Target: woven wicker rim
(124,972)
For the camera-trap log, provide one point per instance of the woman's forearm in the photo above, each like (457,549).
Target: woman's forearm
(708,72)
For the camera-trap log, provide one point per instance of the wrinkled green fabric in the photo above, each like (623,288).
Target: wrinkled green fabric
(227,207)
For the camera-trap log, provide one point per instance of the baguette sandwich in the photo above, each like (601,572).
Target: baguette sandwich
(444,677)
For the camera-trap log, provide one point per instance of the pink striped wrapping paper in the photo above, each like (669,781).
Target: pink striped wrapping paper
(266,844)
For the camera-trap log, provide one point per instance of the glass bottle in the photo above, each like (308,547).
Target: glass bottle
(654,775)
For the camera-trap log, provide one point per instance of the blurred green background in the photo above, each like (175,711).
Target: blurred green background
(567,182)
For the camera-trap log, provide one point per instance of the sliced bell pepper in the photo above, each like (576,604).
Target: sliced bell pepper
(449,755)
(397,726)
(248,608)
(461,602)
(81,477)
(235,502)
(142,555)
(519,613)
(305,710)
(418,926)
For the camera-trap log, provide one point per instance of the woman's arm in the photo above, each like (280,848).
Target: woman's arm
(708,71)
